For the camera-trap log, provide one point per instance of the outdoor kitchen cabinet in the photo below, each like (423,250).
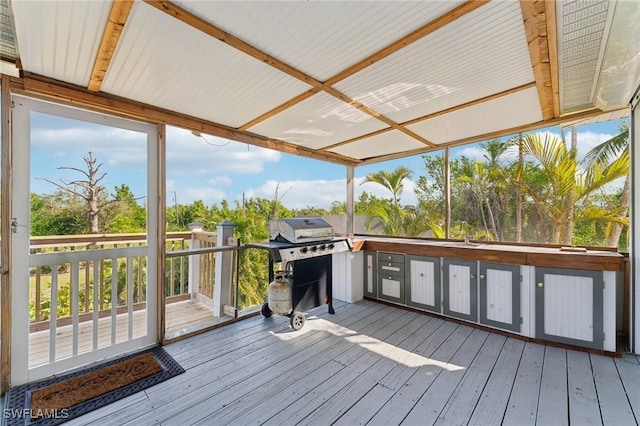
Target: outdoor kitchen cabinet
(460,289)
(391,278)
(500,296)
(569,306)
(422,280)
(370,274)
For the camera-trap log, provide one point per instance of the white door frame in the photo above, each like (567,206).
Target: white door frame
(20,371)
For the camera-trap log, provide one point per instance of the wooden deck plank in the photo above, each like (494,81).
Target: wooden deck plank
(434,400)
(523,402)
(363,365)
(361,412)
(460,406)
(493,402)
(614,404)
(311,402)
(391,352)
(629,371)
(229,370)
(553,405)
(583,400)
(286,373)
(281,345)
(440,347)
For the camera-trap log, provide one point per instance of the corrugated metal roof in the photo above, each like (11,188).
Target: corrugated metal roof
(306,34)
(505,112)
(320,121)
(479,54)
(387,143)
(60,39)
(364,79)
(217,82)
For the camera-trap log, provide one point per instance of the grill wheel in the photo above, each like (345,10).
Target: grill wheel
(297,320)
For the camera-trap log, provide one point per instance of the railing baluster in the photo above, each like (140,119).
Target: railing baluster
(53,314)
(130,295)
(114,299)
(87,289)
(95,306)
(74,287)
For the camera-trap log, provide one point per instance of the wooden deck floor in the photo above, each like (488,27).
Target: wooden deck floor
(375,364)
(182,315)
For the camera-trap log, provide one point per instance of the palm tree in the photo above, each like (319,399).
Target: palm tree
(392,180)
(609,151)
(566,188)
(480,185)
(392,216)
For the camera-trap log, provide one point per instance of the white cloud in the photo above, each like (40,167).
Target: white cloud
(207,194)
(321,193)
(220,181)
(191,155)
(473,152)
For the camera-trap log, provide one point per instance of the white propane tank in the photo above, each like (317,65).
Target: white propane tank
(280,297)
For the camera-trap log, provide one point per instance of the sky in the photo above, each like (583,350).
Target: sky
(212,169)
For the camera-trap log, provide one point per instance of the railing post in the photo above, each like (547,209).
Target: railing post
(224,269)
(194,261)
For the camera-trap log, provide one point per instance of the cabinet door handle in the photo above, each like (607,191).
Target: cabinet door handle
(473,276)
(482,277)
(540,285)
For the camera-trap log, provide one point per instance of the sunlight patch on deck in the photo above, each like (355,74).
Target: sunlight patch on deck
(394,353)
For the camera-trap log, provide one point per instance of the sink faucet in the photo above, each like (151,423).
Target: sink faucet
(466,231)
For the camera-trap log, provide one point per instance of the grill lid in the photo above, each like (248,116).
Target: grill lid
(300,230)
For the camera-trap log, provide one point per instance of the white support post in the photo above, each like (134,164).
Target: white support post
(194,261)
(224,269)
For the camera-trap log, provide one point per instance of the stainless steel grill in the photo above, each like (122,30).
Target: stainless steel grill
(303,245)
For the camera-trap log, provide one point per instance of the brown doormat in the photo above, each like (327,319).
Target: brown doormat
(62,398)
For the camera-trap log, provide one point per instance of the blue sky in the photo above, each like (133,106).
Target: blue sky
(213,169)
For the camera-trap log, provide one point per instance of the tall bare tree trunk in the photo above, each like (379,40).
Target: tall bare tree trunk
(567,233)
(614,238)
(519,190)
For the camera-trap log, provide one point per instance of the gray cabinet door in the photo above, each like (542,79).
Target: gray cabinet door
(460,289)
(569,306)
(422,280)
(390,272)
(370,264)
(500,295)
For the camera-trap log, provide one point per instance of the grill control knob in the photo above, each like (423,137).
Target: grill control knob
(304,249)
(330,246)
(314,248)
(323,247)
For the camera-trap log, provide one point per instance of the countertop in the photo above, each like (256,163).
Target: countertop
(517,254)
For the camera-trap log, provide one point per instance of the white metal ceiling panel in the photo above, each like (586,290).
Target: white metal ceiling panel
(502,113)
(319,38)
(386,143)
(319,121)
(479,54)
(209,79)
(582,34)
(60,39)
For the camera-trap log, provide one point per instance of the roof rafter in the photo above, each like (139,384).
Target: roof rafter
(206,27)
(534,14)
(41,87)
(488,136)
(117,18)
(436,114)
(416,35)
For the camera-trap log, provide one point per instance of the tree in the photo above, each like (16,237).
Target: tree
(567,189)
(609,151)
(392,180)
(89,189)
